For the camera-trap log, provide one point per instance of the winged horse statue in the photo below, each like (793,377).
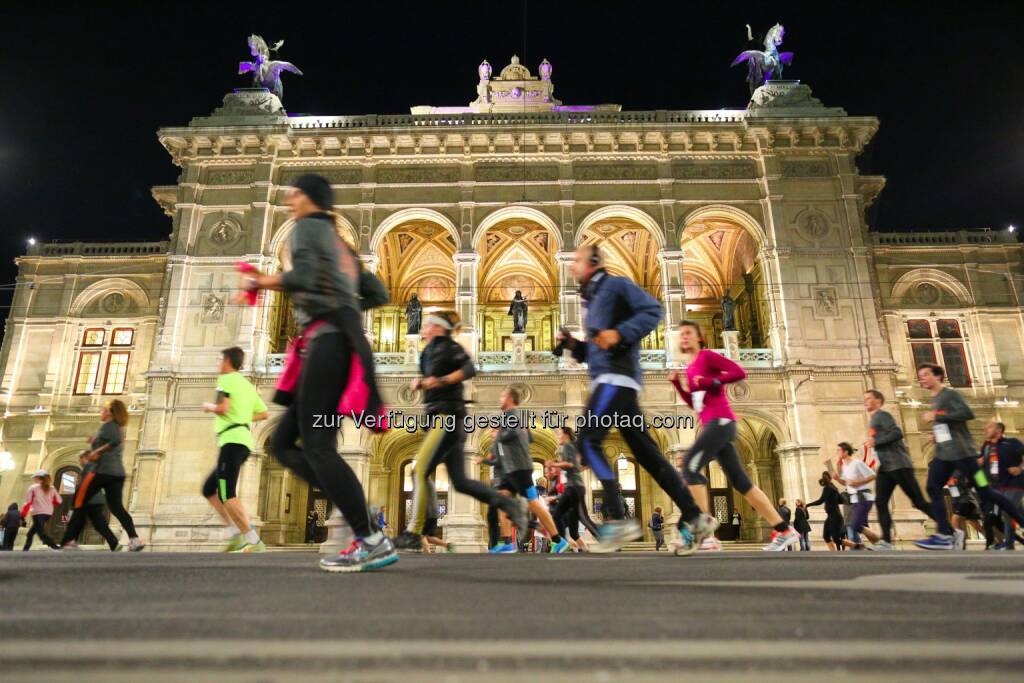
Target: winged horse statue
(764,66)
(266,73)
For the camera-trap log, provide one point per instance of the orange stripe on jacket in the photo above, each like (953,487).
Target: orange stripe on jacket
(80,493)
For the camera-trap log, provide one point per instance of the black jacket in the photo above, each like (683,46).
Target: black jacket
(443,356)
(831,498)
(800,522)
(785,513)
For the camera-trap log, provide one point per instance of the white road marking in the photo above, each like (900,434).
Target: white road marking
(981,583)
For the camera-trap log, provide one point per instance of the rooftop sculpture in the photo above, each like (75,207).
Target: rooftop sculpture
(765,66)
(266,73)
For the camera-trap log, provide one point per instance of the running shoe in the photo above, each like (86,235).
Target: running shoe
(449,548)
(614,534)
(881,547)
(407,540)
(136,545)
(361,557)
(236,543)
(1000,546)
(257,547)
(503,549)
(560,547)
(936,542)
(686,544)
(782,541)
(959,540)
(710,545)
(70,545)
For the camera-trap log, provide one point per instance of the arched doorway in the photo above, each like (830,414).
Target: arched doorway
(627,472)
(406,494)
(757,442)
(67,480)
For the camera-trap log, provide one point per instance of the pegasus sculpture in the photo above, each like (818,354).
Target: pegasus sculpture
(266,73)
(764,66)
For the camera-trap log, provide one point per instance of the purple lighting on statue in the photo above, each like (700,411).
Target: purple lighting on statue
(577,107)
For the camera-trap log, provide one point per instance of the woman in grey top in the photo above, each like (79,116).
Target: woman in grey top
(106,449)
(954,451)
(573,501)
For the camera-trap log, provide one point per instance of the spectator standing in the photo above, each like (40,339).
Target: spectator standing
(802,525)
(658,528)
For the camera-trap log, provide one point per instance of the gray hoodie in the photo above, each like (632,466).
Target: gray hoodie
(889,447)
(514,444)
(952,438)
(324,275)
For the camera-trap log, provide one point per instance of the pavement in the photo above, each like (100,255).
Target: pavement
(624,617)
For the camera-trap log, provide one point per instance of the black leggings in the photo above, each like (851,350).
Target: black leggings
(112,487)
(38,528)
(442,445)
(939,472)
(832,530)
(715,443)
(223,481)
(887,482)
(608,400)
(99,523)
(572,509)
(313,418)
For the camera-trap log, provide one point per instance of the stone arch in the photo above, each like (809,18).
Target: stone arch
(280,238)
(513,212)
(728,214)
(943,281)
(61,457)
(98,290)
(622,211)
(414,214)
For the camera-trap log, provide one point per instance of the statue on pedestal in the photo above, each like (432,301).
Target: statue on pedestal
(266,73)
(517,309)
(764,66)
(728,313)
(413,315)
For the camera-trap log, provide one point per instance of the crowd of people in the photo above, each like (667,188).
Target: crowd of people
(329,372)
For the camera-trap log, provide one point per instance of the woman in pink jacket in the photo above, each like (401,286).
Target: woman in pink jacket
(706,375)
(41,499)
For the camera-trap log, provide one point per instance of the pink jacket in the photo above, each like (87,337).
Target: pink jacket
(708,397)
(40,502)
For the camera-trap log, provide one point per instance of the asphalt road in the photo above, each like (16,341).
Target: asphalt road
(726,616)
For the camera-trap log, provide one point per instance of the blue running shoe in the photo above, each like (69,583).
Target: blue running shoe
(560,547)
(616,533)
(936,542)
(362,556)
(503,549)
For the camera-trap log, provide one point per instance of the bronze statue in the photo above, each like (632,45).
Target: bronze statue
(266,73)
(517,309)
(728,313)
(763,66)
(413,315)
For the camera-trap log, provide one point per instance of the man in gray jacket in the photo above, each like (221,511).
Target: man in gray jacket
(513,443)
(954,451)
(894,465)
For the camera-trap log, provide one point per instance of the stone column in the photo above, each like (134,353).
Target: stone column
(463,524)
(731,344)
(793,463)
(466,264)
(673,298)
(519,350)
(412,349)
(147,476)
(776,332)
(371,262)
(568,293)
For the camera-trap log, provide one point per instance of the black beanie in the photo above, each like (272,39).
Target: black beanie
(317,189)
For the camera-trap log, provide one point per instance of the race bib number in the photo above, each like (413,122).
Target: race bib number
(942,434)
(954,492)
(698,401)
(993,466)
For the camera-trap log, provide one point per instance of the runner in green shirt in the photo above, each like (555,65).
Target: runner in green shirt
(238,404)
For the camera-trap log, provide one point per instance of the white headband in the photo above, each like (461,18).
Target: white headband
(438,320)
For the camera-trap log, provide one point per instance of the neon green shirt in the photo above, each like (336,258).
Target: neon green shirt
(245,403)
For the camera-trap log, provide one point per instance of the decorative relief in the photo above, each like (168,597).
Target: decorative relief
(115,302)
(926,293)
(738,392)
(813,226)
(213,308)
(826,303)
(525,391)
(335,176)
(805,169)
(229,176)
(418,174)
(494,173)
(615,172)
(715,170)
(225,232)
(407,395)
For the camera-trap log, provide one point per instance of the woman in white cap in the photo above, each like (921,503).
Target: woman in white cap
(42,497)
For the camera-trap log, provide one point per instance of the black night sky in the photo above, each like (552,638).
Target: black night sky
(84,91)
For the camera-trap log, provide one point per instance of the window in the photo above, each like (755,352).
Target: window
(123,336)
(94,337)
(940,342)
(88,369)
(117,372)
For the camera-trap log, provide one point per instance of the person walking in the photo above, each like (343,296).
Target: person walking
(895,469)
(657,526)
(445,366)
(329,369)
(706,375)
(11,523)
(40,501)
(801,522)
(238,405)
(1002,458)
(954,451)
(832,530)
(107,450)
(94,508)
(618,315)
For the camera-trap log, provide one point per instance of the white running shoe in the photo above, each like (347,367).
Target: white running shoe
(959,540)
(692,535)
(782,541)
(710,545)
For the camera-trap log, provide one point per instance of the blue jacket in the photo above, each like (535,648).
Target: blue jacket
(612,302)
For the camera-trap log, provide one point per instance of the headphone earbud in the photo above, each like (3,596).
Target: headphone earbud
(595,256)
